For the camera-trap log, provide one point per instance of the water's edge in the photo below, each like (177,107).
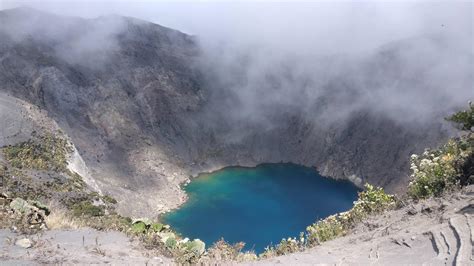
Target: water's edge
(300,171)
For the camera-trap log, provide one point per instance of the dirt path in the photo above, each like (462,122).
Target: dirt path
(85,246)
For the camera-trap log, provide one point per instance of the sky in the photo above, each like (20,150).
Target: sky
(295,25)
(195,16)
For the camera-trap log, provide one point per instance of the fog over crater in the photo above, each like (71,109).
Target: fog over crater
(283,55)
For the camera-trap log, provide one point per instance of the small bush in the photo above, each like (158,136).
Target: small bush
(465,118)
(223,251)
(325,230)
(112,222)
(109,199)
(157,227)
(371,201)
(287,246)
(143,226)
(60,219)
(139,228)
(86,208)
(189,252)
(441,169)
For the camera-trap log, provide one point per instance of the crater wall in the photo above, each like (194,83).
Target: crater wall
(145,115)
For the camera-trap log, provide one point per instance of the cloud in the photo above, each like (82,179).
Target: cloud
(412,62)
(75,40)
(325,60)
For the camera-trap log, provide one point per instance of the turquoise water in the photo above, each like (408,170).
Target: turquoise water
(259,205)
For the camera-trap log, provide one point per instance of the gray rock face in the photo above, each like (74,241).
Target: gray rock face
(145,116)
(119,108)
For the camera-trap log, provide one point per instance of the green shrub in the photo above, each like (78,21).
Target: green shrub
(171,242)
(157,227)
(45,152)
(143,225)
(437,170)
(189,252)
(20,205)
(86,208)
(287,246)
(371,201)
(146,221)
(109,199)
(110,222)
(139,228)
(464,118)
(326,229)
(40,206)
(447,167)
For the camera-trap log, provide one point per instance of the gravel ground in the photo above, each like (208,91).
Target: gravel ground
(84,246)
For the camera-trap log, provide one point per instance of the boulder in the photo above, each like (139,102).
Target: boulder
(24,243)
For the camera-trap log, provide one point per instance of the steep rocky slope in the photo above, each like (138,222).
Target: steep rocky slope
(144,114)
(118,109)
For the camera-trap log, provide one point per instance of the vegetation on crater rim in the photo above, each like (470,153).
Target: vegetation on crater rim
(448,167)
(45,152)
(438,170)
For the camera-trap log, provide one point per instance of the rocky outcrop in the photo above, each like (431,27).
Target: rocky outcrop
(144,116)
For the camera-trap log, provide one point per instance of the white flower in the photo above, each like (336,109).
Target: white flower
(184,240)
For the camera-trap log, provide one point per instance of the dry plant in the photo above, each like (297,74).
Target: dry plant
(60,219)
